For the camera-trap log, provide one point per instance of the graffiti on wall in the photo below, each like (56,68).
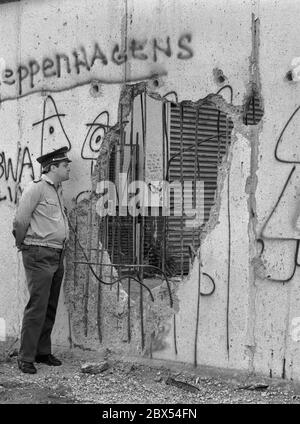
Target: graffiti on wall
(53,134)
(18,171)
(94,137)
(283,222)
(280,234)
(12,173)
(25,77)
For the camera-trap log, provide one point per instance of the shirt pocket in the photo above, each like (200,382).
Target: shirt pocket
(51,207)
(51,202)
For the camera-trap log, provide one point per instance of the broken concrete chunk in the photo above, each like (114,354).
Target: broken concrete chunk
(257,386)
(182,385)
(94,368)
(13,353)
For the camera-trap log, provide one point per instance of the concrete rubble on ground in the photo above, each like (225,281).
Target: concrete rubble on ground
(94,368)
(136,380)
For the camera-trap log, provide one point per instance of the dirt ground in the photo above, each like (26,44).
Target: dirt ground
(136,380)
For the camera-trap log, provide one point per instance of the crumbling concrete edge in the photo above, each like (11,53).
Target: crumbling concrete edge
(251,187)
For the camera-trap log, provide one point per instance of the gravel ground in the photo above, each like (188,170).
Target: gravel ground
(136,380)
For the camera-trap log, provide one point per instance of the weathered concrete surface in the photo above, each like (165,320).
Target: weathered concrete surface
(193,79)
(277,304)
(250,321)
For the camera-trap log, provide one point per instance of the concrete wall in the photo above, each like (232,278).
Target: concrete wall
(250,322)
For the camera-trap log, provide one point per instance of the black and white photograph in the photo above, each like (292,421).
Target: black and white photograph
(149,206)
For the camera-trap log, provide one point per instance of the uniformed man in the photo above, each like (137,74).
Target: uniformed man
(41,231)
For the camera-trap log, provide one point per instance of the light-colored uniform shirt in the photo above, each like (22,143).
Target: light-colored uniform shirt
(40,217)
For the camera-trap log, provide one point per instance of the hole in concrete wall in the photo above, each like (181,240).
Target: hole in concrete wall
(153,141)
(95,89)
(219,76)
(180,143)
(253,111)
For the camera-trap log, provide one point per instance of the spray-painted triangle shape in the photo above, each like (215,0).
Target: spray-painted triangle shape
(53,134)
(288,144)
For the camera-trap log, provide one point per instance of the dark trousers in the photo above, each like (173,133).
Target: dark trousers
(44,273)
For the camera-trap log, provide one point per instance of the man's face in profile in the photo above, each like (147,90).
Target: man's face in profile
(63,171)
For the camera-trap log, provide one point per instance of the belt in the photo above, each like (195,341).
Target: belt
(55,248)
(47,247)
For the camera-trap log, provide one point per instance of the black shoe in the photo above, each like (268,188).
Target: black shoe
(26,367)
(48,360)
